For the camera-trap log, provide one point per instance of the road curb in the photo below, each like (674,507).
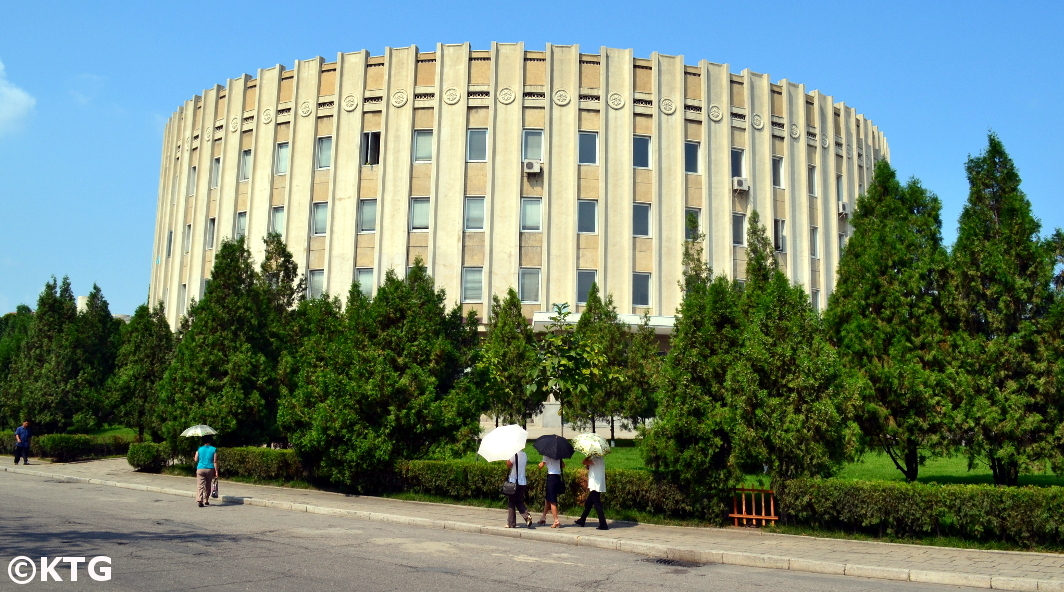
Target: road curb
(599,542)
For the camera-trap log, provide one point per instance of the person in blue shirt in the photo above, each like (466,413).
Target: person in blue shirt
(206,470)
(22,443)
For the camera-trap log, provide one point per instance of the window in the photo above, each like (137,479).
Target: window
(182,297)
(241,224)
(814,298)
(587,216)
(216,172)
(192,181)
(641,219)
(779,239)
(531,214)
(169,243)
(280,159)
(422,145)
(588,148)
(584,279)
(371,148)
(842,243)
(532,145)
(277,219)
(364,277)
(324,152)
(860,189)
(472,284)
(692,223)
(208,240)
(320,219)
(777,171)
(738,229)
(474,213)
(738,168)
(838,188)
(528,285)
(641,152)
(477,145)
(814,242)
(367,215)
(186,243)
(315,283)
(419,213)
(640,289)
(245,164)
(812,180)
(690,157)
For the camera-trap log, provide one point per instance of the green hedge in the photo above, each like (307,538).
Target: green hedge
(68,447)
(260,463)
(148,457)
(625,489)
(1028,516)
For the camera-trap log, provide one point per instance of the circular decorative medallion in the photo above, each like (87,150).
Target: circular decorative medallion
(849,151)
(207,134)
(350,102)
(267,115)
(667,106)
(451,96)
(234,124)
(616,100)
(305,108)
(794,130)
(758,121)
(715,113)
(824,141)
(399,98)
(561,97)
(506,95)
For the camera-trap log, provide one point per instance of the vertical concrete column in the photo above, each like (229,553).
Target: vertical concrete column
(617,129)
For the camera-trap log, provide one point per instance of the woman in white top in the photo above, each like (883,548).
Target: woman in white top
(596,483)
(554,488)
(517,500)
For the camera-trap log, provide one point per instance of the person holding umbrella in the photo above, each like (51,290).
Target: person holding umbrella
(206,462)
(594,447)
(554,449)
(508,443)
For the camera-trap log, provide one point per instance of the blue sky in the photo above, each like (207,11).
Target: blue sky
(85,90)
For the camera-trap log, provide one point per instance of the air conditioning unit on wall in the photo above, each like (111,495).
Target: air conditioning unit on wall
(532,167)
(844,209)
(740,184)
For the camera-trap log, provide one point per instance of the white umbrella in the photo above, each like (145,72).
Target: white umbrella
(503,442)
(199,430)
(591,445)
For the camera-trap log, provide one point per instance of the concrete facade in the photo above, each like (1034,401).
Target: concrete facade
(223,170)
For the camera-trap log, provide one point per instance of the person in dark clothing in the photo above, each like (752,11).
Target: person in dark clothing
(596,484)
(22,443)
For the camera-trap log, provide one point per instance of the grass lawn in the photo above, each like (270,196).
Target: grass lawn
(954,469)
(114,431)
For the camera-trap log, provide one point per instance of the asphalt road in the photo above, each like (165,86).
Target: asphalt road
(158,542)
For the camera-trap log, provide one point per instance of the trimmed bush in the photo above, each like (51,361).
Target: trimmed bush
(1026,516)
(148,457)
(68,447)
(260,463)
(625,489)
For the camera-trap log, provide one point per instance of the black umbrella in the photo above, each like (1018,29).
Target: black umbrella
(553,446)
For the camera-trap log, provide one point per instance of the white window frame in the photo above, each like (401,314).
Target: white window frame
(469,143)
(777,172)
(814,300)
(428,204)
(594,279)
(539,205)
(186,241)
(465,214)
(321,155)
(367,288)
(840,188)
(466,273)
(697,160)
(524,272)
(362,218)
(814,242)
(280,161)
(420,136)
(811,180)
(650,294)
(650,151)
(741,152)
(169,243)
(273,218)
(650,219)
(525,133)
(366,148)
(245,165)
(779,235)
(579,147)
(312,276)
(192,181)
(742,217)
(314,207)
(698,217)
(216,172)
(237,230)
(208,238)
(579,202)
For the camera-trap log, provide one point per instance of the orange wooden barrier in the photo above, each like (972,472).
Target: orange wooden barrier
(761,507)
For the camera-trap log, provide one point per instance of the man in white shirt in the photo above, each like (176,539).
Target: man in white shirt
(596,483)
(517,500)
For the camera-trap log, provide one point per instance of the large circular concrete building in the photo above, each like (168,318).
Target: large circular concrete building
(538,170)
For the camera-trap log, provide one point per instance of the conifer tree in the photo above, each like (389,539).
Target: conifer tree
(1000,288)
(145,354)
(600,329)
(508,359)
(886,318)
(14,329)
(95,339)
(639,401)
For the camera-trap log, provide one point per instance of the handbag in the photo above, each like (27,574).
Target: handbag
(510,487)
(214,489)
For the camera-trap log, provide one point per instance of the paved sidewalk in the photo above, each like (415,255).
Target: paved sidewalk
(1002,570)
